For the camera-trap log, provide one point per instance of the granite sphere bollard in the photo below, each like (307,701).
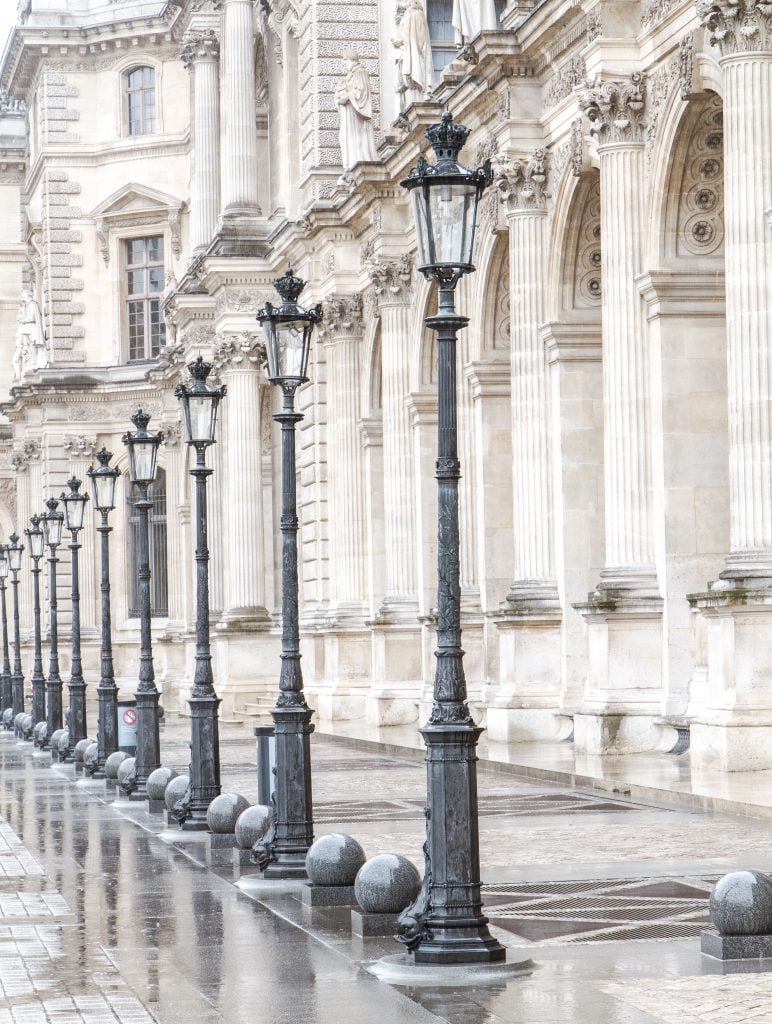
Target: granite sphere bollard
(157,782)
(80,750)
(176,790)
(252,825)
(27,725)
(125,769)
(113,763)
(386,884)
(8,719)
(64,744)
(40,733)
(334,859)
(741,904)
(56,735)
(224,811)
(91,758)
(17,723)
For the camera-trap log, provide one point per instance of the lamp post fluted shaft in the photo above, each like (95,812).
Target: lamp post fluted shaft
(107,733)
(37,678)
(148,756)
(77,684)
(5,676)
(294,826)
(54,679)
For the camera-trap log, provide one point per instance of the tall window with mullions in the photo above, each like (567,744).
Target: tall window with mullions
(145,276)
(140,101)
(159,576)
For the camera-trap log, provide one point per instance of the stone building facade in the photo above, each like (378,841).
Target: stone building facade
(164,160)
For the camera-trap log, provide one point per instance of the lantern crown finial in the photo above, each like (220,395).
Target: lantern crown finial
(35,520)
(14,538)
(199,370)
(447,138)
(140,419)
(74,484)
(52,504)
(289,286)
(104,456)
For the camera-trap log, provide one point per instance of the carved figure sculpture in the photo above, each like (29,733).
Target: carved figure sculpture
(470,17)
(31,352)
(353,99)
(415,68)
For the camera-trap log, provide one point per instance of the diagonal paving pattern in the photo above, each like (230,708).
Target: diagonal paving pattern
(733,1000)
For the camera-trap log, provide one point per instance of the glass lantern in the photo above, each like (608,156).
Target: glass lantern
(288,329)
(14,552)
(200,402)
(103,481)
(143,448)
(53,521)
(74,505)
(36,538)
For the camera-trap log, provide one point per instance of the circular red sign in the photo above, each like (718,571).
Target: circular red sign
(130,716)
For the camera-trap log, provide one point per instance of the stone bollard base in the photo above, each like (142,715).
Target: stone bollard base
(735,947)
(365,924)
(156,806)
(329,896)
(220,847)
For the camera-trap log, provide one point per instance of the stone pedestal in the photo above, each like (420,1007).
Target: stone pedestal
(396,689)
(735,947)
(328,896)
(366,925)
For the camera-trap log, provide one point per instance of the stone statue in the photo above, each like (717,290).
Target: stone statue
(31,352)
(354,101)
(470,17)
(415,68)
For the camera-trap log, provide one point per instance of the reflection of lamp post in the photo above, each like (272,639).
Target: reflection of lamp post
(282,854)
(446,924)
(53,521)
(37,549)
(143,447)
(103,482)
(200,401)
(74,509)
(5,675)
(15,550)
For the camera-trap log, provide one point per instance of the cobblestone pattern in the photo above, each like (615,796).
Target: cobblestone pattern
(705,1000)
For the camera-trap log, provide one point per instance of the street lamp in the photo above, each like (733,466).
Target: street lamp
(282,854)
(5,675)
(15,550)
(74,510)
(446,924)
(143,446)
(200,401)
(103,481)
(53,521)
(37,549)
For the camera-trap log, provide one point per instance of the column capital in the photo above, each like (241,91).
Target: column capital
(198,46)
(737,26)
(342,317)
(615,109)
(392,280)
(240,351)
(29,451)
(523,182)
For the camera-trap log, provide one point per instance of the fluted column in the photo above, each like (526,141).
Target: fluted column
(393,285)
(80,450)
(237,359)
(523,185)
(615,110)
(200,53)
(239,112)
(341,333)
(743,33)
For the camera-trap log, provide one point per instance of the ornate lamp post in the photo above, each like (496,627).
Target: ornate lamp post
(103,481)
(15,550)
(53,521)
(200,402)
(5,675)
(74,509)
(143,447)
(446,923)
(37,549)
(288,331)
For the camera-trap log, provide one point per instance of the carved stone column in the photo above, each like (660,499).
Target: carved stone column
(624,614)
(347,654)
(200,53)
(397,655)
(240,205)
(80,449)
(530,621)
(29,498)
(735,731)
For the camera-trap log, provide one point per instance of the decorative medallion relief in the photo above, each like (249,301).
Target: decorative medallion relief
(588,289)
(501,313)
(700,222)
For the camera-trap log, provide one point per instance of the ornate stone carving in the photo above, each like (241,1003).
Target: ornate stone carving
(577,148)
(28,451)
(199,46)
(659,86)
(8,495)
(392,279)
(169,360)
(328,262)
(564,81)
(242,300)
(172,432)
(594,25)
(587,291)
(341,315)
(198,335)
(615,109)
(686,65)
(737,26)
(10,105)
(487,149)
(80,446)
(237,351)
(700,230)
(656,10)
(522,183)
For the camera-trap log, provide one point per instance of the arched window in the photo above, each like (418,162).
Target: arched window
(140,101)
(159,576)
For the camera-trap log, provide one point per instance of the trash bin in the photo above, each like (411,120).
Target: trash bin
(266,762)
(127,726)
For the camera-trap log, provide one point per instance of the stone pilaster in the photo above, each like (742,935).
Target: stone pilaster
(735,730)
(26,460)
(624,614)
(200,53)
(80,449)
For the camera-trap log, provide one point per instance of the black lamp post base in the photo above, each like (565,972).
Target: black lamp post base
(448,947)
(288,866)
(196,822)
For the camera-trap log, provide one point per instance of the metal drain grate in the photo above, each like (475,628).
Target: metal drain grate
(640,909)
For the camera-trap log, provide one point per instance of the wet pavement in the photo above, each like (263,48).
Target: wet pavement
(108,916)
